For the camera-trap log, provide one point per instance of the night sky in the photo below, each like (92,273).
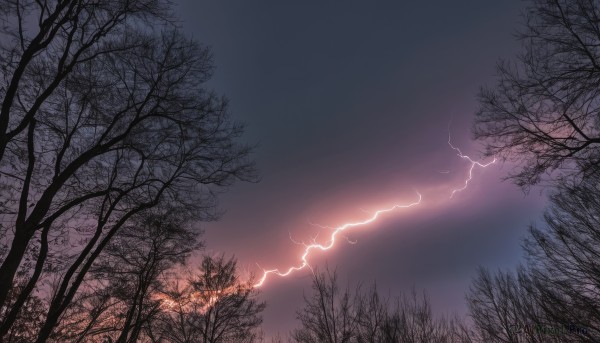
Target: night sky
(349,106)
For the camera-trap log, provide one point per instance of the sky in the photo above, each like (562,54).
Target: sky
(349,106)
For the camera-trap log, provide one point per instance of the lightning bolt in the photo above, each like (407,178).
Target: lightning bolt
(308,248)
(211,298)
(473,164)
(336,230)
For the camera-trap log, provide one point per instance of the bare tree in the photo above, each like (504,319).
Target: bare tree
(371,316)
(542,114)
(556,297)
(143,259)
(328,316)
(409,319)
(27,322)
(413,321)
(504,310)
(126,282)
(335,317)
(565,258)
(212,306)
(103,117)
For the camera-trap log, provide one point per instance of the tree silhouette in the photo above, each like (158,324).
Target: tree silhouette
(559,286)
(103,117)
(504,310)
(328,316)
(565,258)
(211,306)
(29,319)
(335,317)
(124,286)
(542,114)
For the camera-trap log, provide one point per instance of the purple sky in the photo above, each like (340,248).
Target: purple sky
(350,106)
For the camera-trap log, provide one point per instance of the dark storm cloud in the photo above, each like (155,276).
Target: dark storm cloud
(350,104)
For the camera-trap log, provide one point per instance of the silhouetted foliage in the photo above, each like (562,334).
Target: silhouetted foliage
(332,316)
(211,306)
(503,309)
(559,287)
(124,286)
(328,316)
(29,319)
(542,114)
(103,116)
(565,257)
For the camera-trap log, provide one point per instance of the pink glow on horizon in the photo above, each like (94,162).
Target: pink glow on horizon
(336,230)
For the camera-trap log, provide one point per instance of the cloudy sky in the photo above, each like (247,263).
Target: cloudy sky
(349,106)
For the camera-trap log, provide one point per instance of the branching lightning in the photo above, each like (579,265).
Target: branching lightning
(473,164)
(316,246)
(308,248)
(209,298)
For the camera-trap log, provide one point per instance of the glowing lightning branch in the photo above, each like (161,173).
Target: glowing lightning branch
(308,248)
(336,231)
(473,164)
(321,226)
